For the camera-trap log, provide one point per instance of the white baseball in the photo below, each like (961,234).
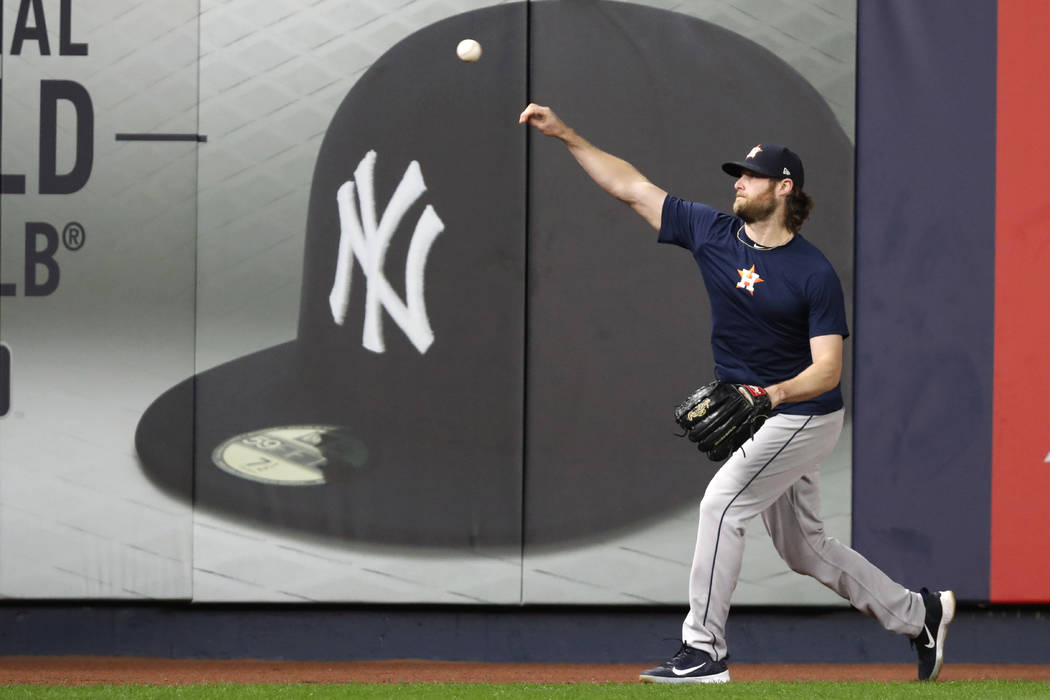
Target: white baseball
(468,50)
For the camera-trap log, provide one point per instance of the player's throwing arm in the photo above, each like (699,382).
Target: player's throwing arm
(614,175)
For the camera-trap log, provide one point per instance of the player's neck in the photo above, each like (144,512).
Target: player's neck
(769,232)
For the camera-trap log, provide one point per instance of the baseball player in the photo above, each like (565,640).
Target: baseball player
(778,329)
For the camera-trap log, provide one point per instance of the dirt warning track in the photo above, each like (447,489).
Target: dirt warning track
(83,670)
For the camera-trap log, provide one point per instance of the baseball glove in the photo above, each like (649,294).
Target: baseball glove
(719,417)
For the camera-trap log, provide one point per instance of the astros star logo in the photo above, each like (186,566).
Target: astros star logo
(754,151)
(748,280)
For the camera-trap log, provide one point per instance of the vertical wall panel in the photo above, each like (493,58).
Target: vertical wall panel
(619,326)
(1020,555)
(105,317)
(329,466)
(925,266)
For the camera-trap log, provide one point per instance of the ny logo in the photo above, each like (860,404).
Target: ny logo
(365,238)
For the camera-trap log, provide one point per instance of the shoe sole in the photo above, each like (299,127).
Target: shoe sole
(947,615)
(722,677)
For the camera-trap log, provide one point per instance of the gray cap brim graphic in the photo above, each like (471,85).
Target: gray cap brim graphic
(561,334)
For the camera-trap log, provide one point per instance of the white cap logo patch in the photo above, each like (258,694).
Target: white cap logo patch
(293,455)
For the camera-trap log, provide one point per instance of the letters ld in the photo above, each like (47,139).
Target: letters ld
(51,181)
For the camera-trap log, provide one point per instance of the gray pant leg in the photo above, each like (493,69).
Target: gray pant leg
(795,525)
(781,452)
(750,482)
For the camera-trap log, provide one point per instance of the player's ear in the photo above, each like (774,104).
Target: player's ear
(785,186)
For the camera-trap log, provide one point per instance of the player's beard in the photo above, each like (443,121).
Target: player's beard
(757,208)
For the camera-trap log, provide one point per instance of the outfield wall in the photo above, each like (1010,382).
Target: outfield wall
(205,400)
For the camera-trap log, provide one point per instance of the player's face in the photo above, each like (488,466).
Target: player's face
(755,200)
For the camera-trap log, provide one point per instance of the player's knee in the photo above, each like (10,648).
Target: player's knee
(719,512)
(799,567)
(712,506)
(802,557)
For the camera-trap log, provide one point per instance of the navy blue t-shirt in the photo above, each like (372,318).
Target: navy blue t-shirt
(765,304)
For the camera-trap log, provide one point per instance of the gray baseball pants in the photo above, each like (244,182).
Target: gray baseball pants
(776,474)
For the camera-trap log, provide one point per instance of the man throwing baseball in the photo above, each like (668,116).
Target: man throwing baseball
(778,328)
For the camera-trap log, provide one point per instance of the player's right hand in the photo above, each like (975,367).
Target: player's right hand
(544,119)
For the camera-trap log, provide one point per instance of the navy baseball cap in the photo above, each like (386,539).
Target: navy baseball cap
(769,160)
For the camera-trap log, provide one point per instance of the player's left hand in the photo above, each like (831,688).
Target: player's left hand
(720,417)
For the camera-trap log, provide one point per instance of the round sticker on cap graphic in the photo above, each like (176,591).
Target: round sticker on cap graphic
(292,455)
(398,415)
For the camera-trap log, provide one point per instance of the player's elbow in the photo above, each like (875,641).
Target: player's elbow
(833,380)
(625,189)
(830,374)
(827,361)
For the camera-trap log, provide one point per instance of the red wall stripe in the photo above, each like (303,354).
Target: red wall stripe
(1020,537)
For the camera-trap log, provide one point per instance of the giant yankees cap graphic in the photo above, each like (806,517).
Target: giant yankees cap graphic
(478,359)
